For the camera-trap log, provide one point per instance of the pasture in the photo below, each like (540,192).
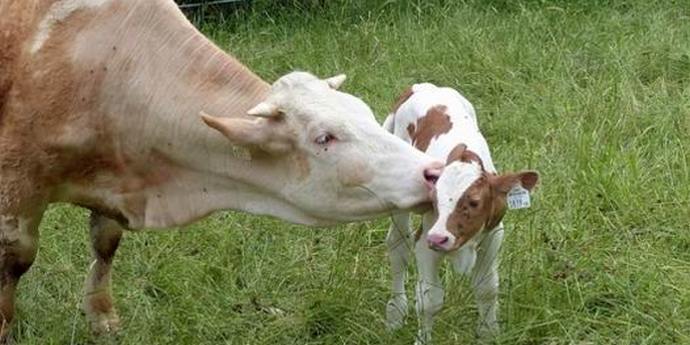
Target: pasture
(595,95)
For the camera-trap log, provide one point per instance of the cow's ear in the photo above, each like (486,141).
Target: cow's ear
(244,132)
(504,183)
(336,81)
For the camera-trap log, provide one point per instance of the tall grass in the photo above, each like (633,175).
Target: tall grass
(593,94)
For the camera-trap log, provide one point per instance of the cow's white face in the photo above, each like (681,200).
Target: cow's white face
(468,200)
(339,164)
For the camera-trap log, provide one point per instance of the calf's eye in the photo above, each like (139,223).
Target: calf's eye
(474,203)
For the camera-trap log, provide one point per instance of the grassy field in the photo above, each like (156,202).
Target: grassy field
(595,95)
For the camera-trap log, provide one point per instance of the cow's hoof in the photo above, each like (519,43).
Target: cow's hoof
(6,337)
(105,324)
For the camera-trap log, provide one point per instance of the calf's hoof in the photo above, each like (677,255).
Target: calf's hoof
(487,332)
(396,310)
(419,341)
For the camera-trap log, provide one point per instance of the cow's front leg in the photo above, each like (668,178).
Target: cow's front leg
(485,283)
(18,247)
(98,301)
(399,243)
(429,291)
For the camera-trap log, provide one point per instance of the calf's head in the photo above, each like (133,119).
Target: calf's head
(335,161)
(469,200)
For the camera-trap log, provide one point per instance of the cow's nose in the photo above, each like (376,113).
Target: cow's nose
(432,172)
(437,240)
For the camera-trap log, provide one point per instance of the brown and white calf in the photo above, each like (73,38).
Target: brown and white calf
(470,200)
(99,107)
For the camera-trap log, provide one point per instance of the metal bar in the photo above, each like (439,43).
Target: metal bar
(215,2)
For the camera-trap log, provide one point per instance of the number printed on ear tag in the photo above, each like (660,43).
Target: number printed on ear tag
(518,198)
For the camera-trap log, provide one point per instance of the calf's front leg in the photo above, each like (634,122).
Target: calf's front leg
(98,306)
(429,291)
(399,243)
(485,283)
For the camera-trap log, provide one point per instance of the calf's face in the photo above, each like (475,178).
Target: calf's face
(469,200)
(336,162)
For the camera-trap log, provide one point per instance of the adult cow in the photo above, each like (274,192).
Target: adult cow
(100,104)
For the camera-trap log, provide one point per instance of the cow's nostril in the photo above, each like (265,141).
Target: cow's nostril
(431,175)
(444,240)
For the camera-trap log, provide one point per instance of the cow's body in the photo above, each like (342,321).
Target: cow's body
(442,123)
(70,124)
(99,106)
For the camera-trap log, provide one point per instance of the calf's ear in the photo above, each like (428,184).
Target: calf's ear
(527,179)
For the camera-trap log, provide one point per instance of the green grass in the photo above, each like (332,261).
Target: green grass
(594,95)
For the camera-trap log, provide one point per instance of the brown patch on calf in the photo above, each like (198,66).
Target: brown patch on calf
(430,126)
(480,207)
(411,130)
(483,204)
(404,96)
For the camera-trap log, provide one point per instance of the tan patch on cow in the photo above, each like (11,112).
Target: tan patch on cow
(302,164)
(43,95)
(462,154)
(430,126)
(136,176)
(14,31)
(404,96)
(354,174)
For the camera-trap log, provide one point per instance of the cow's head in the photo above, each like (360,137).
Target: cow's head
(469,200)
(337,163)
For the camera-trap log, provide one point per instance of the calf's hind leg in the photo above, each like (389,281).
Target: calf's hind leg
(18,247)
(98,302)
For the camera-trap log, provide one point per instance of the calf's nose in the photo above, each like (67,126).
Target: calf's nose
(437,240)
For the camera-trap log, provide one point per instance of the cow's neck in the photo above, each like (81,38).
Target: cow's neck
(170,168)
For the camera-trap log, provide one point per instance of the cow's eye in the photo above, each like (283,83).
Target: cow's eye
(324,139)
(473,203)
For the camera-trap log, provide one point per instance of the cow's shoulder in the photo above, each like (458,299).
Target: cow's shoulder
(17,25)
